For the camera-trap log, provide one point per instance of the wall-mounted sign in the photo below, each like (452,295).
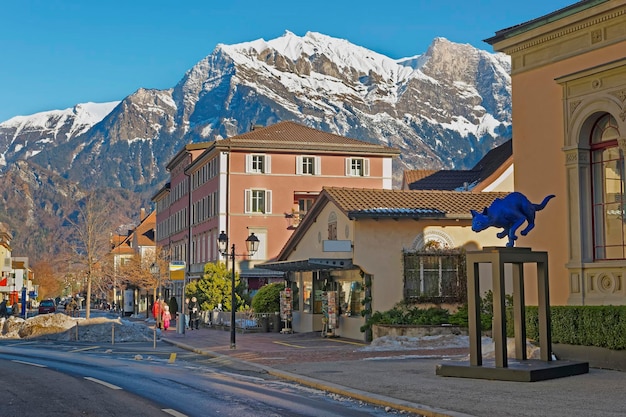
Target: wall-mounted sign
(177,270)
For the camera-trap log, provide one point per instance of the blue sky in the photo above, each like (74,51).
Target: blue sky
(57,53)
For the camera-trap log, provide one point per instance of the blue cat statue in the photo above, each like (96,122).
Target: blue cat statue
(509,213)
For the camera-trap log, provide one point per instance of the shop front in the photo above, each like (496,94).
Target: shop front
(328,295)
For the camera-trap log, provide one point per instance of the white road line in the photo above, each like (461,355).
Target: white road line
(106,384)
(173,412)
(30,363)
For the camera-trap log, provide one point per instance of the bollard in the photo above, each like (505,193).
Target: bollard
(112,333)
(180,323)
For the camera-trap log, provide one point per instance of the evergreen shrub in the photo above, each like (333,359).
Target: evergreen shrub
(267,299)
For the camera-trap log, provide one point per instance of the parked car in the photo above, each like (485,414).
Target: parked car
(47,306)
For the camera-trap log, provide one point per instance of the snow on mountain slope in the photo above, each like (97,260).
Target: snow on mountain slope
(26,136)
(444,108)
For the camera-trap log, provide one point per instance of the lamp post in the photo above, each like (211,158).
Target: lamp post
(156,273)
(252,245)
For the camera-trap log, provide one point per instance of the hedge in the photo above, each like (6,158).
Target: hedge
(600,326)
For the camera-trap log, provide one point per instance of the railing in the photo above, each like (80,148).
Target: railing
(245,322)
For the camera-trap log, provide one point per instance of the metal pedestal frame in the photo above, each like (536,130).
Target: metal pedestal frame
(522,369)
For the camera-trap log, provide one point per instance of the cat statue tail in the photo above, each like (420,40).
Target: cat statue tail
(544,202)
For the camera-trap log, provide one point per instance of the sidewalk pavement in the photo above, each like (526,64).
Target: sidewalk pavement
(405,379)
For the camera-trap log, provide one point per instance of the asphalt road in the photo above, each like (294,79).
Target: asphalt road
(34,391)
(72,379)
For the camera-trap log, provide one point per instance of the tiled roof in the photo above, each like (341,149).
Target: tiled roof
(359,202)
(144,233)
(145,230)
(412,175)
(463,179)
(396,212)
(291,135)
(376,203)
(446,180)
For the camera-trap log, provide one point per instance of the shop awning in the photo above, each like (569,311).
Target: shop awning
(257,272)
(311,264)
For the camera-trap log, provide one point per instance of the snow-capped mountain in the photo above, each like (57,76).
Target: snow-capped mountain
(22,137)
(444,109)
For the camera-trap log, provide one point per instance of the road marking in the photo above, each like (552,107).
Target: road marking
(173,412)
(172,357)
(30,363)
(289,344)
(348,342)
(83,349)
(106,384)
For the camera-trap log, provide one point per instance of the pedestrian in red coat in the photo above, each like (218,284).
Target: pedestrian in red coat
(156,312)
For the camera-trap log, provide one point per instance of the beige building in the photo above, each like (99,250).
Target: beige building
(366,250)
(569,138)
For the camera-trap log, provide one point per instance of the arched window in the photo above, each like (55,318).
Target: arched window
(608,175)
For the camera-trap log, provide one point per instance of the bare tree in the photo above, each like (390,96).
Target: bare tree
(91,227)
(50,285)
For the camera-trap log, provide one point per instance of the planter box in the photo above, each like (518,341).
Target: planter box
(381,330)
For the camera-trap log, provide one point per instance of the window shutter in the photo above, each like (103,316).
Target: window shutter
(299,165)
(268,164)
(317,169)
(248,201)
(268,201)
(366,167)
(248,163)
(348,164)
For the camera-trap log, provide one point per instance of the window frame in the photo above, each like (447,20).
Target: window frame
(451,283)
(357,167)
(253,161)
(252,196)
(599,148)
(308,165)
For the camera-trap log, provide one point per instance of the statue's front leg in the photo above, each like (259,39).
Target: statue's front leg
(503,233)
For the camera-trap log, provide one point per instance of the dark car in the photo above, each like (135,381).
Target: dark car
(47,306)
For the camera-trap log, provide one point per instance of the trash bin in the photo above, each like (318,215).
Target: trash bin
(276,323)
(265,323)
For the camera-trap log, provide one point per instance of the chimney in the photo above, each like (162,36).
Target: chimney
(142,214)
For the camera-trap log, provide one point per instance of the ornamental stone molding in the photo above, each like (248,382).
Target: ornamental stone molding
(620,94)
(606,282)
(576,156)
(573,105)
(570,39)
(442,238)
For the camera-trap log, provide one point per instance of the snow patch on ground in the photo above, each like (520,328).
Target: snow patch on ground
(444,341)
(62,327)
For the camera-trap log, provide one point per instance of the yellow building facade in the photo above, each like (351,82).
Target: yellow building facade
(569,139)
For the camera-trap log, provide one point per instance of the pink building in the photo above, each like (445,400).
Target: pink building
(260,182)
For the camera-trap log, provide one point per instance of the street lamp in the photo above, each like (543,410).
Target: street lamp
(252,245)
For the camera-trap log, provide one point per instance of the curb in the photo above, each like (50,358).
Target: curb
(368,397)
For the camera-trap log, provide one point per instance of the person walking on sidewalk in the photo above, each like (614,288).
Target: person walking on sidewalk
(167,317)
(156,312)
(194,313)
(186,310)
